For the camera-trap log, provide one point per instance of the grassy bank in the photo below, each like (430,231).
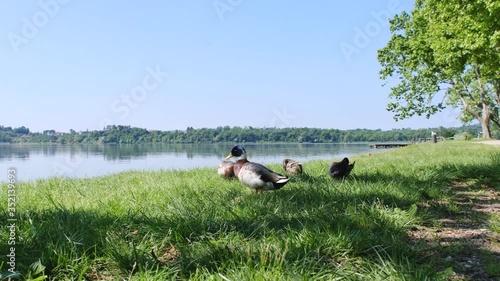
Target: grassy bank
(170,225)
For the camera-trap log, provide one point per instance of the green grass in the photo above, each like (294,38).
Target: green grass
(171,225)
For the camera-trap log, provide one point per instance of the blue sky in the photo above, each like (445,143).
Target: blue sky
(172,64)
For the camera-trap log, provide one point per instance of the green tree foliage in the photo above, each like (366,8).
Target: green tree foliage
(21,130)
(446,53)
(131,135)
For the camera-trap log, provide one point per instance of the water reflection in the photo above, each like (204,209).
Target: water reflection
(84,160)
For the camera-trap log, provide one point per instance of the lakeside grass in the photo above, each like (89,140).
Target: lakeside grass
(171,225)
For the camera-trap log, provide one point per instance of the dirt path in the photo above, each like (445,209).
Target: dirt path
(491,142)
(462,238)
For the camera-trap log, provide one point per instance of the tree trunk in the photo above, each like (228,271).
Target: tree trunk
(485,121)
(483,118)
(485,125)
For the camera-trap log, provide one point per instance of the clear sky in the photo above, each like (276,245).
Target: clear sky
(69,64)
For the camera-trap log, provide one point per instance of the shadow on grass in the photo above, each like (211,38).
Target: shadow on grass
(454,231)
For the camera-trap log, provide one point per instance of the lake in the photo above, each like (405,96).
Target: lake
(38,161)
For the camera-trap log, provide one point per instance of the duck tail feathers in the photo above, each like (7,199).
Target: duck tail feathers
(282,180)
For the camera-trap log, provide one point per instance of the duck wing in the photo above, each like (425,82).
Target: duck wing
(259,177)
(269,176)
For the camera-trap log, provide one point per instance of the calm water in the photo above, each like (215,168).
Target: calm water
(35,161)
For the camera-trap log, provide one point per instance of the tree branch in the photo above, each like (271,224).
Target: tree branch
(469,95)
(496,121)
(469,109)
(482,92)
(496,86)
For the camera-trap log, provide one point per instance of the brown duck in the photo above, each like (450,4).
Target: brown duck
(292,167)
(226,169)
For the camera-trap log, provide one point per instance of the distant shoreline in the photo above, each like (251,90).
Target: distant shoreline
(127,134)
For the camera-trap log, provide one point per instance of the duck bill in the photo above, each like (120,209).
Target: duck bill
(229,156)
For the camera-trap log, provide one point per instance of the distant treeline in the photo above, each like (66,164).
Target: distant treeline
(127,134)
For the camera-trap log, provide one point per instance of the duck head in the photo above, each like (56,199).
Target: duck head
(345,162)
(237,151)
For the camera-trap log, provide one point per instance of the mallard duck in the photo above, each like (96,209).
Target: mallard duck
(341,169)
(226,169)
(255,176)
(292,167)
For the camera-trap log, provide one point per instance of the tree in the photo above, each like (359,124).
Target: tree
(446,53)
(22,130)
